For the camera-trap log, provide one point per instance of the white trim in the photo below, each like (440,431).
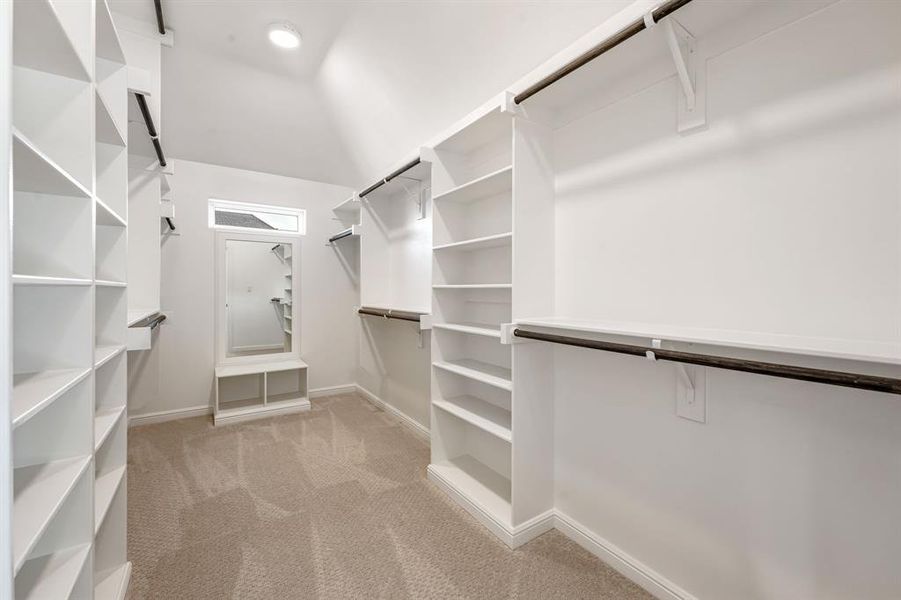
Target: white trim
(627,565)
(414,426)
(334,390)
(169,415)
(250,413)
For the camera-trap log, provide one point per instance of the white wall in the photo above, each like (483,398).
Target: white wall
(185,342)
(782,217)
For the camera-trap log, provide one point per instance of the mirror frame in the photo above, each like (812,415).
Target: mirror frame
(220,296)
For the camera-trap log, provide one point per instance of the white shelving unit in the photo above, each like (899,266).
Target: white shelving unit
(69,239)
(251,390)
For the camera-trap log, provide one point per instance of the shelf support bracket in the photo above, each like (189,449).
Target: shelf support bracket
(691,70)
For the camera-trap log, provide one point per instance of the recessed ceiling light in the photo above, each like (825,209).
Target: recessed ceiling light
(284,35)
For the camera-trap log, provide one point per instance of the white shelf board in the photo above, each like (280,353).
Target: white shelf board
(107,130)
(484,329)
(478,483)
(260,367)
(34,171)
(52,575)
(108,283)
(492,184)
(107,216)
(350,205)
(354,232)
(480,243)
(42,280)
(477,370)
(32,392)
(104,489)
(473,286)
(485,129)
(477,412)
(40,491)
(104,354)
(876,352)
(104,421)
(108,45)
(113,585)
(138,314)
(45,44)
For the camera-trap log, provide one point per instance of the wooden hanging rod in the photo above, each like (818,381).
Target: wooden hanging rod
(839,378)
(391,176)
(390,313)
(161,27)
(615,40)
(151,130)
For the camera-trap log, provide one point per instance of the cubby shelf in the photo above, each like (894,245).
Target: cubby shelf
(48,44)
(480,243)
(32,392)
(493,375)
(34,171)
(107,129)
(105,487)
(477,412)
(107,216)
(492,184)
(478,483)
(483,329)
(104,421)
(40,491)
(111,586)
(53,575)
(104,354)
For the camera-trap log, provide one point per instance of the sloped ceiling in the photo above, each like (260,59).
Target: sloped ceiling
(371,82)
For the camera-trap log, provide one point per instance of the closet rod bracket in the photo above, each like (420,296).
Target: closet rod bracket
(691,70)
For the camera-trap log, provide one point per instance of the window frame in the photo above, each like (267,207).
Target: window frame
(215,204)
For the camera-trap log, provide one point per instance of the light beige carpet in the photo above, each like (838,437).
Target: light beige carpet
(333,503)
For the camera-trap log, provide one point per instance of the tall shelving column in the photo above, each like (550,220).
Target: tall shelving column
(52,249)
(111,568)
(68,300)
(472,388)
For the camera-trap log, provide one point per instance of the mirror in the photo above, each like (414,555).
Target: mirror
(258,297)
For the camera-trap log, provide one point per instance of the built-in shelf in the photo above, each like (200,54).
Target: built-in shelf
(32,392)
(477,412)
(499,377)
(494,183)
(34,171)
(107,130)
(105,487)
(350,232)
(112,585)
(109,47)
(107,216)
(480,243)
(104,421)
(47,44)
(483,329)
(52,575)
(136,315)
(867,351)
(39,492)
(350,205)
(473,286)
(104,354)
(108,283)
(478,483)
(42,280)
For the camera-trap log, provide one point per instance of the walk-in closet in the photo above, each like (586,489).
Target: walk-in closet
(523,299)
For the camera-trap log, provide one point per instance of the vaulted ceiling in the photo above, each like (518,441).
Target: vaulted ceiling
(370,83)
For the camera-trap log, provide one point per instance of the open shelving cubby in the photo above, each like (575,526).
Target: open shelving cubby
(68,248)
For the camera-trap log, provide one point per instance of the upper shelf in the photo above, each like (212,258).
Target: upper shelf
(482,131)
(53,36)
(350,205)
(492,184)
(874,352)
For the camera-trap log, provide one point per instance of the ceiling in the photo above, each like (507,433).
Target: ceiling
(369,84)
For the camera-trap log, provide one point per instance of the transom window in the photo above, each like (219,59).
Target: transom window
(259,218)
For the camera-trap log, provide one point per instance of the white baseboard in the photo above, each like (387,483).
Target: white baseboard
(169,415)
(413,425)
(630,567)
(334,390)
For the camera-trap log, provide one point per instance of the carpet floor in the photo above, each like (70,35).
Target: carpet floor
(332,503)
